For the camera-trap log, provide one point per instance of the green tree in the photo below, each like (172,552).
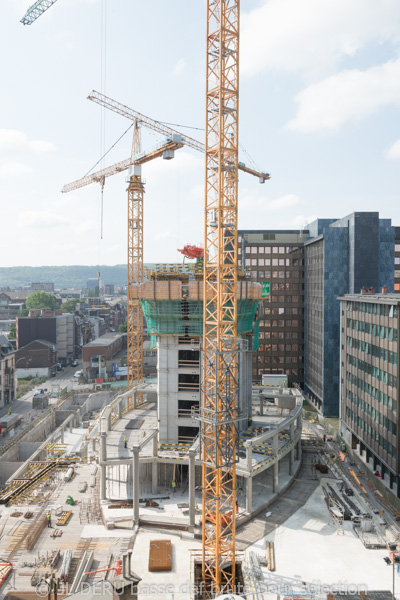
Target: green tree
(123,328)
(70,305)
(40,300)
(13,333)
(24,312)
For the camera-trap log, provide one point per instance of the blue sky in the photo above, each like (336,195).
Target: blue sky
(319,110)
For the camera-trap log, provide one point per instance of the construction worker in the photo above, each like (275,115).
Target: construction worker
(324,436)
(173,486)
(48,519)
(125,442)
(9,411)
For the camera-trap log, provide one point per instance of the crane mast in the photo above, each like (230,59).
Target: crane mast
(219,413)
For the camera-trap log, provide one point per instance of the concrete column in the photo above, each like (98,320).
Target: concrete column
(249,495)
(275,480)
(275,444)
(94,444)
(103,459)
(261,406)
(109,422)
(155,446)
(62,435)
(299,449)
(70,425)
(275,447)
(291,462)
(154,476)
(249,455)
(291,455)
(135,484)
(120,410)
(154,471)
(134,399)
(192,485)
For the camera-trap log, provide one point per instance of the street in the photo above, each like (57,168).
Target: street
(23,406)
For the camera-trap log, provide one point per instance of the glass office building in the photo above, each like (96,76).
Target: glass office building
(276,259)
(341,256)
(370,380)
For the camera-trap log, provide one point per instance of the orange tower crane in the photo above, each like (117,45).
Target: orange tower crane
(135,238)
(219,412)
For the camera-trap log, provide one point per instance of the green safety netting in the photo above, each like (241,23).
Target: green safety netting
(185,318)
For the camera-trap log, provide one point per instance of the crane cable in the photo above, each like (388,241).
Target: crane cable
(103,80)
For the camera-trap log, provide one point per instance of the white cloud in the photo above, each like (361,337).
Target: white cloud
(41,146)
(297,222)
(179,66)
(14,169)
(41,219)
(394,151)
(314,36)
(350,95)
(14,140)
(255,203)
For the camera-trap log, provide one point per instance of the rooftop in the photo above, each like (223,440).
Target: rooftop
(105,340)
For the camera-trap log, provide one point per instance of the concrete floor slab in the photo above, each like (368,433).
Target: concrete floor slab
(311,556)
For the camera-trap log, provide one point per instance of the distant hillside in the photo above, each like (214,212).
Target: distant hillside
(62,277)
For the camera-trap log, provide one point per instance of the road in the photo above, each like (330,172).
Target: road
(23,406)
(370,499)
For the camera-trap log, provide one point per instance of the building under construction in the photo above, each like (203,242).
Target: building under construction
(121,476)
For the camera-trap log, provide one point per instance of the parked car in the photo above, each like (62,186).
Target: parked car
(39,392)
(78,373)
(59,366)
(74,363)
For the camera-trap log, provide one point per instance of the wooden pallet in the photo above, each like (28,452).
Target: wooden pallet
(64,517)
(56,533)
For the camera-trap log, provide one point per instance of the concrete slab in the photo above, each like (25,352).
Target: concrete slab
(162,585)
(312,557)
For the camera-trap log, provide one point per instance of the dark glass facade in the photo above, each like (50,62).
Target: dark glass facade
(277,257)
(342,256)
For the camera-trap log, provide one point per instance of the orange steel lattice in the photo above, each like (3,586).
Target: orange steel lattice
(135,276)
(219,413)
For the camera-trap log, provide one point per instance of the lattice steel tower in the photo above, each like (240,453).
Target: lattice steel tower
(135,268)
(219,413)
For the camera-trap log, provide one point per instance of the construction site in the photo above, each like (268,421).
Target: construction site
(202,483)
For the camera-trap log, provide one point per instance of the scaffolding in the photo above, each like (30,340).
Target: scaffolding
(185,317)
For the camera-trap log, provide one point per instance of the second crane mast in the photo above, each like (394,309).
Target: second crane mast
(135,239)
(134,315)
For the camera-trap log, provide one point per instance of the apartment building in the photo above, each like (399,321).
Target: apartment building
(370,381)
(57,329)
